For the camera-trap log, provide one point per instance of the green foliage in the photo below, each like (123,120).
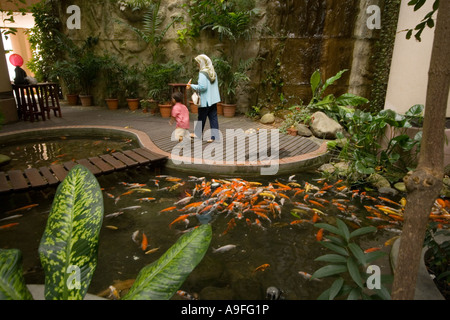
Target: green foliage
(232,20)
(330,104)
(366,131)
(43,38)
(427,21)
(113,74)
(161,279)
(299,114)
(12,284)
(157,78)
(232,77)
(71,235)
(132,80)
(438,254)
(152,30)
(347,258)
(68,249)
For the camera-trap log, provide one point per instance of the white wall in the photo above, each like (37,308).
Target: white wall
(410,63)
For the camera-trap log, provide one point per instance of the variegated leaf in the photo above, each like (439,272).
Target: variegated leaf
(161,279)
(12,283)
(68,248)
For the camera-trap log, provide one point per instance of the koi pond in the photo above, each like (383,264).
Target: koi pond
(263,231)
(44,151)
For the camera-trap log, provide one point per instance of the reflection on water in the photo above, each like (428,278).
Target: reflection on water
(37,154)
(286,248)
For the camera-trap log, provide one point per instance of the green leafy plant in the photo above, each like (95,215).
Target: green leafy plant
(348,258)
(68,249)
(329,103)
(157,77)
(232,77)
(152,30)
(437,257)
(363,148)
(299,114)
(232,20)
(132,80)
(113,73)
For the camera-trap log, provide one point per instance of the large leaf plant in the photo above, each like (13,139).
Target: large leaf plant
(69,246)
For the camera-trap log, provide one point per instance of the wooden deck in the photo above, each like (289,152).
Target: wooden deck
(17,180)
(289,146)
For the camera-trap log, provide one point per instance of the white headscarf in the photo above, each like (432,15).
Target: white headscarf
(206,66)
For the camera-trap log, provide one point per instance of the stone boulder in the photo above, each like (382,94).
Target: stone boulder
(268,118)
(303,130)
(324,127)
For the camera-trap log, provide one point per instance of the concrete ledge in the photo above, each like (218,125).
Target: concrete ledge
(425,286)
(38,293)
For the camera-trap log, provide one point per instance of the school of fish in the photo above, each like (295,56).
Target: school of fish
(283,203)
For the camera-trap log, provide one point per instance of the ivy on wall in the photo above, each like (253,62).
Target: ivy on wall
(381,60)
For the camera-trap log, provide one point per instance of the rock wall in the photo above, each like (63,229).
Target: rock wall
(296,38)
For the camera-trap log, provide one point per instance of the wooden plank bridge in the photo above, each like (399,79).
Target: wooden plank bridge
(18,180)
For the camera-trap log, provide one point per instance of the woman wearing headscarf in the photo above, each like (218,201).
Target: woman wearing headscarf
(208,89)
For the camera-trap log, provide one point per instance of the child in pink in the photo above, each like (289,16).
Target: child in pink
(180,114)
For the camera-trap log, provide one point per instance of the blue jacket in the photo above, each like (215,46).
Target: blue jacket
(209,92)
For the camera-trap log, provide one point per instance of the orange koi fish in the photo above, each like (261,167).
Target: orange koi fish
(319,235)
(180,218)
(389,200)
(315,218)
(307,276)
(168,209)
(23,208)
(231,225)
(371,250)
(146,199)
(262,267)
(144,243)
(316,203)
(298,222)
(6,226)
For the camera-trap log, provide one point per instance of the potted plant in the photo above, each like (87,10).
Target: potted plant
(112,72)
(230,79)
(157,77)
(292,130)
(131,82)
(149,104)
(67,72)
(88,67)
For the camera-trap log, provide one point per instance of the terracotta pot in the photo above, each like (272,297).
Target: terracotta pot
(86,100)
(133,104)
(220,108)
(193,107)
(113,104)
(229,110)
(292,131)
(72,99)
(166,110)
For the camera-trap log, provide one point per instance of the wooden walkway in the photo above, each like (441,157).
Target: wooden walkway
(17,180)
(289,146)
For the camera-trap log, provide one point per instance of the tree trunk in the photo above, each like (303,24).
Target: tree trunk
(425,183)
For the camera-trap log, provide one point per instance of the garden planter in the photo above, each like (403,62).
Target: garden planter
(113,104)
(193,107)
(72,99)
(133,104)
(292,131)
(165,110)
(220,108)
(229,110)
(86,100)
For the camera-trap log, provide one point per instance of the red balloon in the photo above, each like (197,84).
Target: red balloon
(16,60)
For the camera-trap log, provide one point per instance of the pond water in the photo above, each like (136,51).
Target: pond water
(45,151)
(288,248)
